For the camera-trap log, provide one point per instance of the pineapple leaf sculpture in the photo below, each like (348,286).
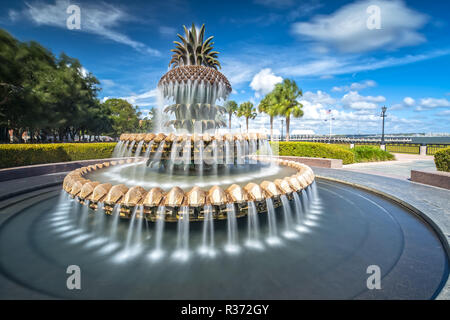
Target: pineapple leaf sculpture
(193,51)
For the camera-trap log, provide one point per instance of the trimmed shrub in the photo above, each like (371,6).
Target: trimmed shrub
(314,150)
(15,155)
(369,154)
(442,160)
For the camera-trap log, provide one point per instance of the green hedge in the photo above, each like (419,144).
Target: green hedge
(15,155)
(315,150)
(369,154)
(442,160)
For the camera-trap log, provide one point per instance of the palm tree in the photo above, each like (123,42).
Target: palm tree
(248,111)
(269,106)
(286,94)
(231,108)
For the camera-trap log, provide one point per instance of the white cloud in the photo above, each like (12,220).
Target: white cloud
(443,113)
(84,72)
(237,71)
(346,29)
(406,102)
(409,101)
(167,31)
(13,15)
(434,103)
(423,104)
(264,81)
(339,65)
(95,19)
(319,97)
(363,85)
(356,86)
(354,100)
(148,98)
(108,83)
(316,117)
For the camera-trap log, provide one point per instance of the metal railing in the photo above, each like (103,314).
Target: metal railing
(354,140)
(395,145)
(433,148)
(403,148)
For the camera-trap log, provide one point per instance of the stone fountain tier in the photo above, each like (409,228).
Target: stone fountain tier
(196,200)
(207,152)
(157,138)
(201,74)
(194,91)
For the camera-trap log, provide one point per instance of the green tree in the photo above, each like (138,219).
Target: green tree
(231,108)
(285,96)
(269,106)
(124,117)
(22,66)
(44,94)
(248,111)
(147,124)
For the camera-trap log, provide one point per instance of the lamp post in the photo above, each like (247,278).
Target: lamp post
(383,115)
(282,123)
(331,123)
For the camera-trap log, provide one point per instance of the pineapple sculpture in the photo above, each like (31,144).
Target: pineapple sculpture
(194,83)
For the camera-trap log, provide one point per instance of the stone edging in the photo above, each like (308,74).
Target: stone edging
(175,203)
(7,174)
(433,178)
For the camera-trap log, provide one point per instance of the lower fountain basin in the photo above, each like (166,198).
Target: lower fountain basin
(133,174)
(323,252)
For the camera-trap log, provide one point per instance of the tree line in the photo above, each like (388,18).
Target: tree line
(55,99)
(281,101)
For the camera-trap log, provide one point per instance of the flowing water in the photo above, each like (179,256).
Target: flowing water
(117,149)
(207,247)
(129,152)
(232,232)
(287,213)
(273,233)
(182,249)
(158,251)
(252,227)
(158,154)
(299,212)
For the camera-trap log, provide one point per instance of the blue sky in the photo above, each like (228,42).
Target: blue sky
(325,46)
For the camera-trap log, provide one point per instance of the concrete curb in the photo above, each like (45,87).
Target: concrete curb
(315,162)
(41,169)
(27,190)
(437,179)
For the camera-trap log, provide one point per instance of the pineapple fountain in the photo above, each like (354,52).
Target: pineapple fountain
(193,214)
(194,174)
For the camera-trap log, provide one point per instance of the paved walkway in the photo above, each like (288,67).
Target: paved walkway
(399,169)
